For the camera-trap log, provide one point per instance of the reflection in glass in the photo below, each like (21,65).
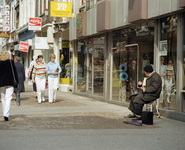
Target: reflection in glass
(82,67)
(168,53)
(98,65)
(133,47)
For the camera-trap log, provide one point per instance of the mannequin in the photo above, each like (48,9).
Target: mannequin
(169,79)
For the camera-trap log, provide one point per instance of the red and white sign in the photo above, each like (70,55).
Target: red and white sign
(35,24)
(7,28)
(7,23)
(24,47)
(7,7)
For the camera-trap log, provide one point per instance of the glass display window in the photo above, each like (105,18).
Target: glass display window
(98,54)
(133,48)
(168,66)
(66,63)
(82,66)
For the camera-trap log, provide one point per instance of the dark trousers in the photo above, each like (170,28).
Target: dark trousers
(135,107)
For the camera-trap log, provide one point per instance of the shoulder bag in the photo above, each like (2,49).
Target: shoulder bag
(18,100)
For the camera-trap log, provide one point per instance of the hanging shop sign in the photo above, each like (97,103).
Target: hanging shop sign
(79,23)
(35,24)
(23,47)
(4,34)
(61,9)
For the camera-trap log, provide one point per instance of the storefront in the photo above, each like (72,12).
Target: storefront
(90,70)
(168,58)
(66,63)
(133,48)
(111,64)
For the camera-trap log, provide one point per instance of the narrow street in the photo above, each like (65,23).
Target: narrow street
(76,123)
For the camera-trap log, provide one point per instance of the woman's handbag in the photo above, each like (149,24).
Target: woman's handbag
(18,100)
(15,81)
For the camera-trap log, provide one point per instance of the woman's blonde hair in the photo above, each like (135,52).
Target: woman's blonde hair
(52,56)
(4,55)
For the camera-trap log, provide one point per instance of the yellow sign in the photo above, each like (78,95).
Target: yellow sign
(61,9)
(65,44)
(4,34)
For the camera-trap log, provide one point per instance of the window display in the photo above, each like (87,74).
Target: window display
(82,66)
(168,54)
(132,50)
(98,65)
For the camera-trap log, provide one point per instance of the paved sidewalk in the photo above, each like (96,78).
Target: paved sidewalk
(76,122)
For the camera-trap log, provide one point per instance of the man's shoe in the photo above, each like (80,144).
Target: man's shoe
(130,116)
(54,101)
(137,118)
(6,118)
(43,99)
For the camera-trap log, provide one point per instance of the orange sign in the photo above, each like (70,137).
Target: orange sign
(35,23)
(24,47)
(4,34)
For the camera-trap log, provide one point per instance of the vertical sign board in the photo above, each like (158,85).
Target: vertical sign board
(7,18)
(35,24)
(23,47)
(61,9)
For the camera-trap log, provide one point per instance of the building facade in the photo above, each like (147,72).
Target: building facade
(114,40)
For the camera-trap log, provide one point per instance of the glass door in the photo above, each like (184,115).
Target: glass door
(89,70)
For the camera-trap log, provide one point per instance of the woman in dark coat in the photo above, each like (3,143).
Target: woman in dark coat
(7,74)
(21,74)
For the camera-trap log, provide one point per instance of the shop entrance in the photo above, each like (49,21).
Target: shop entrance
(91,66)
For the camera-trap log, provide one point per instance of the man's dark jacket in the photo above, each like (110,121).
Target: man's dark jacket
(151,91)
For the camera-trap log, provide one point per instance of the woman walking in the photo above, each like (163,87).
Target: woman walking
(8,75)
(21,74)
(52,69)
(39,77)
(32,64)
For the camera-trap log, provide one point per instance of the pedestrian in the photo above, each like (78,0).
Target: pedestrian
(39,77)
(150,91)
(8,77)
(169,79)
(163,73)
(32,64)
(52,69)
(21,74)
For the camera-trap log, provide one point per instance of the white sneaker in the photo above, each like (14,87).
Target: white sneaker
(43,99)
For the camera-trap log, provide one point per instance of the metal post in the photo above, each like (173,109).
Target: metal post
(179,79)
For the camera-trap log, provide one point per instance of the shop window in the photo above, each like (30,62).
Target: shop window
(82,66)
(98,54)
(66,64)
(168,54)
(133,48)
